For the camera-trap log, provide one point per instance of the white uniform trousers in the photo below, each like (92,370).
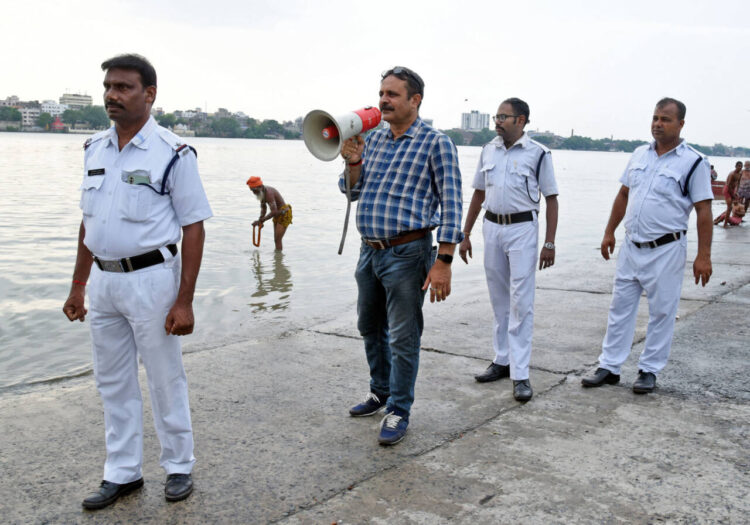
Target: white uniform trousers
(510,256)
(658,271)
(127,313)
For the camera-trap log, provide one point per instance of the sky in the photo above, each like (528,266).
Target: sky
(592,67)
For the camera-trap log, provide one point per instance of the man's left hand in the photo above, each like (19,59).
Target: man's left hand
(180,320)
(702,269)
(438,281)
(546,258)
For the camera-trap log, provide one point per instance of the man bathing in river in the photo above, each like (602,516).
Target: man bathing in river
(280,212)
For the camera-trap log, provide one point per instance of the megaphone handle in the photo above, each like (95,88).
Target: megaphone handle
(347,183)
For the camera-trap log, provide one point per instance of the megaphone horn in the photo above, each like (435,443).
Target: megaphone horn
(324,135)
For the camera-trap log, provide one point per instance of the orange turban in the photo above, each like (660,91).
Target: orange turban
(254,182)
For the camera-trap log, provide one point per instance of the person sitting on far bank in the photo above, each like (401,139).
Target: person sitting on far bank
(513,173)
(730,194)
(714,175)
(280,212)
(661,184)
(743,186)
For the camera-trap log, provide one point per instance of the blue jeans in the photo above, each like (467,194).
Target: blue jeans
(389,309)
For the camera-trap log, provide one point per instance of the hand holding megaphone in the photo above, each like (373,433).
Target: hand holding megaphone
(353,148)
(325,135)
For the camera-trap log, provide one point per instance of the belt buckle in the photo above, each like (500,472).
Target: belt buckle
(378,244)
(111,266)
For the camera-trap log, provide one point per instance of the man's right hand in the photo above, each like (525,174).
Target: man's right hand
(74,307)
(608,245)
(465,247)
(352,149)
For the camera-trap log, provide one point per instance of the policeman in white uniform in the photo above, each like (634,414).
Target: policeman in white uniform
(513,172)
(140,193)
(662,183)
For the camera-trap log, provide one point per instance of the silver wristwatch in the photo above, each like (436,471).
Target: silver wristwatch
(549,245)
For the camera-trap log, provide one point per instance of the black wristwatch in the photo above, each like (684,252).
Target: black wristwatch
(447,259)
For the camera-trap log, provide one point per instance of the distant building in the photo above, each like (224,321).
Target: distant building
(11,101)
(475,121)
(75,101)
(428,121)
(53,108)
(29,115)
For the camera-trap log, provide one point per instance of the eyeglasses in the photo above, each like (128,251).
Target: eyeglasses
(502,117)
(398,70)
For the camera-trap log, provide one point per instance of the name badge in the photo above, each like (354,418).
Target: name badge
(136,177)
(93,173)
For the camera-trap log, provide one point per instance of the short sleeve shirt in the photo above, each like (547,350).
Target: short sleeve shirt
(508,175)
(657,203)
(123,213)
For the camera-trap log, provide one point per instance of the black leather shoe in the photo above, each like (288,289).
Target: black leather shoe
(602,376)
(645,383)
(493,373)
(109,492)
(179,487)
(522,390)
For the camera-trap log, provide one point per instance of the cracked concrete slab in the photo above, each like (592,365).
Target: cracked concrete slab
(572,455)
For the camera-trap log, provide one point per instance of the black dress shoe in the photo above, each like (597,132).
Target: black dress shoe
(522,390)
(109,492)
(493,373)
(645,383)
(179,487)
(602,376)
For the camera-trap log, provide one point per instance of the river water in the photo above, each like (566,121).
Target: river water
(242,290)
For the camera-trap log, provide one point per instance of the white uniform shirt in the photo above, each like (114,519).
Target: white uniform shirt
(656,205)
(123,218)
(508,176)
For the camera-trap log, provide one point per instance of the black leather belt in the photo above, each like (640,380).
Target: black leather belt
(131,264)
(381,244)
(661,241)
(509,218)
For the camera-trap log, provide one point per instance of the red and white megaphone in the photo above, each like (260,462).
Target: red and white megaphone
(324,135)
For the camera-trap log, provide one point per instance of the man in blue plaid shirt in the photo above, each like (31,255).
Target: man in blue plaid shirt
(407,181)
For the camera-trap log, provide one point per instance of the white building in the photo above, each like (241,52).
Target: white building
(75,101)
(29,115)
(53,108)
(475,121)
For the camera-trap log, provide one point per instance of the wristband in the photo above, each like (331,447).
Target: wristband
(76,281)
(466,233)
(355,163)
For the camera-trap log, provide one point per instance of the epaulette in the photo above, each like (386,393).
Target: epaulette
(542,146)
(175,142)
(94,138)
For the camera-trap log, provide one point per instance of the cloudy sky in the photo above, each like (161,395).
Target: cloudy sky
(590,66)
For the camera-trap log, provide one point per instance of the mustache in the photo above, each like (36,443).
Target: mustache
(386,106)
(113,105)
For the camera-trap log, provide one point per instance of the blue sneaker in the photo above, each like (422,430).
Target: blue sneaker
(370,406)
(393,427)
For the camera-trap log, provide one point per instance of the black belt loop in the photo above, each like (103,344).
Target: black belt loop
(138,262)
(509,218)
(661,241)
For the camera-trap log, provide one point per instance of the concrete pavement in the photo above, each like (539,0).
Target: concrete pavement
(274,442)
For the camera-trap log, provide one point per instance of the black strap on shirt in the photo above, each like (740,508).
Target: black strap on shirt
(538,167)
(166,171)
(690,174)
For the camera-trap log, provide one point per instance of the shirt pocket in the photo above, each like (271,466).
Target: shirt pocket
(519,176)
(489,177)
(138,198)
(89,192)
(636,174)
(667,183)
